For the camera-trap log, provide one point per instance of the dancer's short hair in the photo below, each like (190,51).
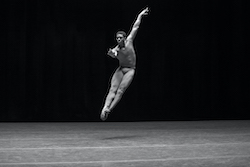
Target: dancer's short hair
(121,32)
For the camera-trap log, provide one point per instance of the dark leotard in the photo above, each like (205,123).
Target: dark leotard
(126,55)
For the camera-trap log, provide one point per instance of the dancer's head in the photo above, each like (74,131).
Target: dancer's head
(120,37)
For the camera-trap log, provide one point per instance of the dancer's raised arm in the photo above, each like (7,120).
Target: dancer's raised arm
(136,24)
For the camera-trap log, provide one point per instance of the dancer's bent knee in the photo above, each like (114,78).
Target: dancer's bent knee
(120,92)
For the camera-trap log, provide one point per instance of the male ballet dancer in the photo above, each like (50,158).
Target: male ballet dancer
(122,77)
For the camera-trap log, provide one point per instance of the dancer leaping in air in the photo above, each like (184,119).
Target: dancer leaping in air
(122,77)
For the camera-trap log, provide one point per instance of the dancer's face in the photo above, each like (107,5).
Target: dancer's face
(120,38)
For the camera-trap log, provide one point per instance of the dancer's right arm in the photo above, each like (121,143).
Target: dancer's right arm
(113,52)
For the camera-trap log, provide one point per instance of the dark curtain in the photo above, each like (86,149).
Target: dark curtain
(191,60)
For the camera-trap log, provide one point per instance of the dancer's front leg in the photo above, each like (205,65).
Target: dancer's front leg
(126,80)
(115,82)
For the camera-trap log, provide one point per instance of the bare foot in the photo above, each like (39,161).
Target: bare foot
(105,113)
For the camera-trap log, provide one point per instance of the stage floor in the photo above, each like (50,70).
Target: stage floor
(126,144)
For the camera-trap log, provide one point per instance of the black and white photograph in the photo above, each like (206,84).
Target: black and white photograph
(122,83)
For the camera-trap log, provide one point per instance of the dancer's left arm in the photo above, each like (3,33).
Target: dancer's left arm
(136,24)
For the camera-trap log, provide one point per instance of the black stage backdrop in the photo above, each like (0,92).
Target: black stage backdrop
(191,60)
